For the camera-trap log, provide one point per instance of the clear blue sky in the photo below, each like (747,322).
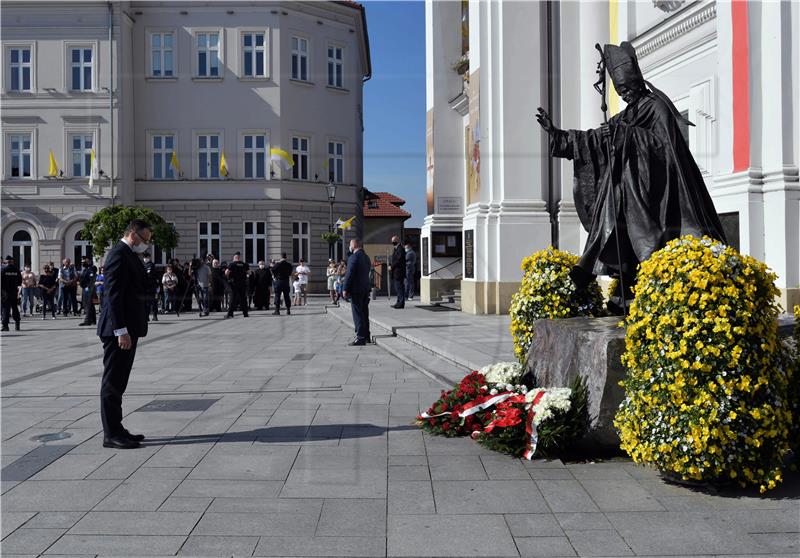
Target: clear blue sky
(394,104)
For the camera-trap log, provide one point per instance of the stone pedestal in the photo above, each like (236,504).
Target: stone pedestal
(586,347)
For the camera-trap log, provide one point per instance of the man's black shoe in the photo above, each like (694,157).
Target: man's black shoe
(85,324)
(276,313)
(288,312)
(227,316)
(4,328)
(245,315)
(357,342)
(120,442)
(155,318)
(16,326)
(134,437)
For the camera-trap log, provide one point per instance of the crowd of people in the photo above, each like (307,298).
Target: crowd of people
(203,285)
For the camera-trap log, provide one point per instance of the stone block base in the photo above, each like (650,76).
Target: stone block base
(590,348)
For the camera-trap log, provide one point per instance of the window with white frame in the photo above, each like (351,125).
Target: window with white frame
(162,146)
(336,161)
(301,241)
(335,66)
(300,158)
(255,155)
(19,155)
(208,55)
(161,256)
(81,68)
(208,238)
(300,58)
(81,154)
(208,156)
(22,248)
(162,54)
(255,241)
(80,248)
(20,65)
(254,55)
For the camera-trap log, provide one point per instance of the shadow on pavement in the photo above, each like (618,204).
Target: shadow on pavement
(285,434)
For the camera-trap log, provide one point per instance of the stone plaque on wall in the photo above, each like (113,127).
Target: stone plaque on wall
(469,254)
(449,204)
(425,257)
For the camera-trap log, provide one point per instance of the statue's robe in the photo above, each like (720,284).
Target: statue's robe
(658,190)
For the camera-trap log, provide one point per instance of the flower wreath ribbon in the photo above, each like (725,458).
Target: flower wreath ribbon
(481,403)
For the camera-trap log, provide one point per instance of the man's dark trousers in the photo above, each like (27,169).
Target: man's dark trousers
(238,298)
(282,287)
(359,305)
(117,364)
(400,287)
(10,308)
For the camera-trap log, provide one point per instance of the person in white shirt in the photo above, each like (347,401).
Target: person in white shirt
(295,289)
(303,272)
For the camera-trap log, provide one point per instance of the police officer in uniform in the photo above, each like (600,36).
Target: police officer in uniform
(90,274)
(237,275)
(11,281)
(282,272)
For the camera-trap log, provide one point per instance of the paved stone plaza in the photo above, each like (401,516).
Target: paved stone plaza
(268,436)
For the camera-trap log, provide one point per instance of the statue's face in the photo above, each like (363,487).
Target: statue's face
(630,92)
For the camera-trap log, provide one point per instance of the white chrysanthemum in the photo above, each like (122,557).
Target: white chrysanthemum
(502,373)
(553,399)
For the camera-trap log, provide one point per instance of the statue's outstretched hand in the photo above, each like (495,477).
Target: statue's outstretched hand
(544,120)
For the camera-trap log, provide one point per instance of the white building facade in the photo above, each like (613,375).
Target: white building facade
(732,68)
(193,83)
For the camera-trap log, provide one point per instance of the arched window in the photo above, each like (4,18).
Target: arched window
(22,248)
(81,248)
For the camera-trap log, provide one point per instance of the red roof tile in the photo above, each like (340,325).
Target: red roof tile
(388,196)
(383,207)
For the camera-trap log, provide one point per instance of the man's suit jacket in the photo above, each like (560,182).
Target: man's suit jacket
(398,263)
(125,294)
(356,280)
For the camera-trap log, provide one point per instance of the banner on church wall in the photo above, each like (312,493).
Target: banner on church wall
(429,158)
(473,140)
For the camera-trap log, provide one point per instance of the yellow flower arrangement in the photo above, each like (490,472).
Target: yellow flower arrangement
(709,384)
(548,292)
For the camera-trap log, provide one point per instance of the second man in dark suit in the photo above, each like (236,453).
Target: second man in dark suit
(356,287)
(398,270)
(123,320)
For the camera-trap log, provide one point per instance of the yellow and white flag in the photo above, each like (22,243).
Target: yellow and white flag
(173,163)
(223,166)
(53,171)
(277,154)
(94,169)
(347,224)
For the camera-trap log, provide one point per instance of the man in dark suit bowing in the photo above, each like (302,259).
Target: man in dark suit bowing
(123,320)
(356,287)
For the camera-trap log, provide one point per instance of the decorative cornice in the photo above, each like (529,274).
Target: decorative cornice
(692,17)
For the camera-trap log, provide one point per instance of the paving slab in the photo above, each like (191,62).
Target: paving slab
(321,546)
(453,535)
(117,545)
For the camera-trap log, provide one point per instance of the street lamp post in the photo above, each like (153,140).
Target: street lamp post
(331,187)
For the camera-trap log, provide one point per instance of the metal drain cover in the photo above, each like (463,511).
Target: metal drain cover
(178,405)
(52,437)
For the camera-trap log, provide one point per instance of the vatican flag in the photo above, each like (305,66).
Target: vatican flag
(173,163)
(223,166)
(94,169)
(276,154)
(347,224)
(339,223)
(53,165)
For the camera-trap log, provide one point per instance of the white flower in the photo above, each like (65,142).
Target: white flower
(551,400)
(493,392)
(502,372)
